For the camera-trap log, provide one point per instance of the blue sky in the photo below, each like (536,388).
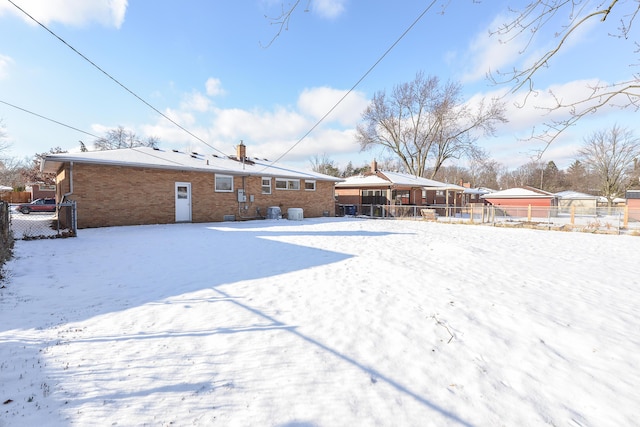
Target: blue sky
(204,64)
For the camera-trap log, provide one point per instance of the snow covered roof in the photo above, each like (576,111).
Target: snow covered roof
(362,181)
(161,159)
(395,178)
(478,190)
(575,195)
(416,181)
(519,192)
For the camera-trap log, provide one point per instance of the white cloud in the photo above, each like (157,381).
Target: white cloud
(5,63)
(500,53)
(109,13)
(316,102)
(329,8)
(214,87)
(268,133)
(195,102)
(487,53)
(513,144)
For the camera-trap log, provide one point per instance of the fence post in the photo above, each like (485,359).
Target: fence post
(626,216)
(573,214)
(529,213)
(74,217)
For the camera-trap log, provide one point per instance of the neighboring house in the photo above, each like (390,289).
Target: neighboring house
(149,186)
(394,188)
(633,204)
(514,200)
(474,195)
(581,203)
(41,191)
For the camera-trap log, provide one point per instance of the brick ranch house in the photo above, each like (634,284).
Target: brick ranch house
(394,188)
(137,186)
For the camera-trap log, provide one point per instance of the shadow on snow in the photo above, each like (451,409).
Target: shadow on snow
(194,257)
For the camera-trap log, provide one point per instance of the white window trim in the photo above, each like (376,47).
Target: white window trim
(311,181)
(288,181)
(264,186)
(216,183)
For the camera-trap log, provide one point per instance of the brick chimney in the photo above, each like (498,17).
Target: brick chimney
(241,151)
(374,166)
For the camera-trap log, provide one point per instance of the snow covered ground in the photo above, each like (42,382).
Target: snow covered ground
(321,322)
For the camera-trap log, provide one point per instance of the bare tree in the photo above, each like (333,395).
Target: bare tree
(282,19)
(529,174)
(556,22)
(122,138)
(611,155)
(389,163)
(561,20)
(32,173)
(422,120)
(484,172)
(4,144)
(454,174)
(323,164)
(12,172)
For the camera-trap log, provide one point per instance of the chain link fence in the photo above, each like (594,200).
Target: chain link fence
(45,225)
(6,237)
(609,220)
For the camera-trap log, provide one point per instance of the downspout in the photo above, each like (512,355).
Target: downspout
(74,218)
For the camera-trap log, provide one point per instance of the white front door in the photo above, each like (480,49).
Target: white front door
(183,201)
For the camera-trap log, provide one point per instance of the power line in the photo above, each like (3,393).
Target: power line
(114,79)
(47,118)
(81,131)
(195,136)
(424,12)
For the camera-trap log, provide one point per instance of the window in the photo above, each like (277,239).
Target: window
(401,197)
(266,185)
(287,184)
(310,185)
(224,183)
(183,193)
(374,197)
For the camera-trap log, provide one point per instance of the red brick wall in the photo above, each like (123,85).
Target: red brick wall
(116,195)
(348,196)
(634,209)
(40,193)
(539,206)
